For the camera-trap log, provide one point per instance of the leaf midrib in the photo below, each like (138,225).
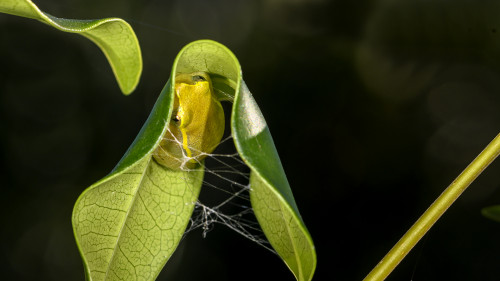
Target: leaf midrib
(128,212)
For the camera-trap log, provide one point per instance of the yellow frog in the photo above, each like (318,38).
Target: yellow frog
(196,126)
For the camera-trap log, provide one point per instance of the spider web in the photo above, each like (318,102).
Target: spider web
(224,198)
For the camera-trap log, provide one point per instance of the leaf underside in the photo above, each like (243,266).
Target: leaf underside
(128,224)
(114,36)
(283,229)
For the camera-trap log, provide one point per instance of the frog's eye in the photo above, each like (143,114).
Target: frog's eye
(176,118)
(198,78)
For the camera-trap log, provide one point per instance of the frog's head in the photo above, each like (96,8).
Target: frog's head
(197,123)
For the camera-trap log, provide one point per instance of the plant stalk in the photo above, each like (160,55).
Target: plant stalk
(434,212)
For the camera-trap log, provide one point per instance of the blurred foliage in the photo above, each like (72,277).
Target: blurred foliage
(492,212)
(399,96)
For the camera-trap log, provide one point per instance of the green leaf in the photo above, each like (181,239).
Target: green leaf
(113,36)
(270,193)
(128,224)
(492,212)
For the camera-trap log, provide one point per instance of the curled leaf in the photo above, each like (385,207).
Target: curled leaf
(114,36)
(270,193)
(128,224)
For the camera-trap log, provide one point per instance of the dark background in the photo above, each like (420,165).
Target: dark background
(374,106)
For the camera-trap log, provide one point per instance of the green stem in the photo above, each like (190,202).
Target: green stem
(434,212)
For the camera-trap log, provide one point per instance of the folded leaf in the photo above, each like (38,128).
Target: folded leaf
(128,224)
(114,36)
(270,193)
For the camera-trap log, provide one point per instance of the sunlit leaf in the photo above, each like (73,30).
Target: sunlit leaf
(114,36)
(270,193)
(128,224)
